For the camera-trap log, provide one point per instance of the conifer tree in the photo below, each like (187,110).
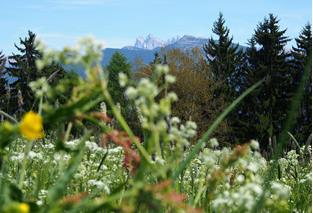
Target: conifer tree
(242,118)
(301,53)
(226,61)
(223,56)
(157,59)
(118,64)
(269,104)
(22,68)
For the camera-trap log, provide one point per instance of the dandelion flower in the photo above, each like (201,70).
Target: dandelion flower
(31,126)
(23,208)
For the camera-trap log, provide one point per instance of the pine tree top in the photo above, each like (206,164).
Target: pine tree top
(118,63)
(268,34)
(304,41)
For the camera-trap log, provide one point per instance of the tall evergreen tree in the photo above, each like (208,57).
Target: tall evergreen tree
(118,64)
(270,60)
(22,68)
(301,53)
(223,56)
(226,61)
(243,116)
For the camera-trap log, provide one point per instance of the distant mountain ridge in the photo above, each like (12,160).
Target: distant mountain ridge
(150,42)
(145,48)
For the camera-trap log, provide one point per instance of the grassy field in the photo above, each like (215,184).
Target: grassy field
(70,157)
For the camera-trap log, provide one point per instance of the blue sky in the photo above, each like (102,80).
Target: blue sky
(117,23)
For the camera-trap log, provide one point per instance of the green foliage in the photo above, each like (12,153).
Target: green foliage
(3,82)
(227,63)
(141,156)
(266,109)
(110,169)
(224,57)
(301,54)
(22,68)
(117,65)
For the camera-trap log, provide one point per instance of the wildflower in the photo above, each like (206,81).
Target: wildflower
(99,185)
(240,178)
(40,87)
(31,126)
(103,107)
(170,79)
(191,124)
(23,208)
(172,96)
(162,69)
(122,77)
(175,120)
(254,145)
(280,189)
(131,92)
(213,142)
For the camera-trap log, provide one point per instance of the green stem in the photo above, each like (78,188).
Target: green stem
(24,163)
(66,137)
(40,105)
(8,116)
(156,139)
(121,119)
(68,131)
(125,126)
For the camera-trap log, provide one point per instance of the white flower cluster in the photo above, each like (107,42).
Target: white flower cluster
(182,133)
(242,183)
(152,113)
(99,185)
(87,53)
(40,87)
(48,165)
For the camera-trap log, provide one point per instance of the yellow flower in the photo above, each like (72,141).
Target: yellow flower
(31,126)
(23,208)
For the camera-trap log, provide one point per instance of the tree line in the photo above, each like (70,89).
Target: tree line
(207,81)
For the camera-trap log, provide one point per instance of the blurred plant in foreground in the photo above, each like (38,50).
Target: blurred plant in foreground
(109,168)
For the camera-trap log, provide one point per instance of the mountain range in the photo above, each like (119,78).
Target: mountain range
(145,48)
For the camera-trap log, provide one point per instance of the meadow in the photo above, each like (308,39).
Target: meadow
(71,156)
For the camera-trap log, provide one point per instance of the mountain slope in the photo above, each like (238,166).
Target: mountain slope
(143,48)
